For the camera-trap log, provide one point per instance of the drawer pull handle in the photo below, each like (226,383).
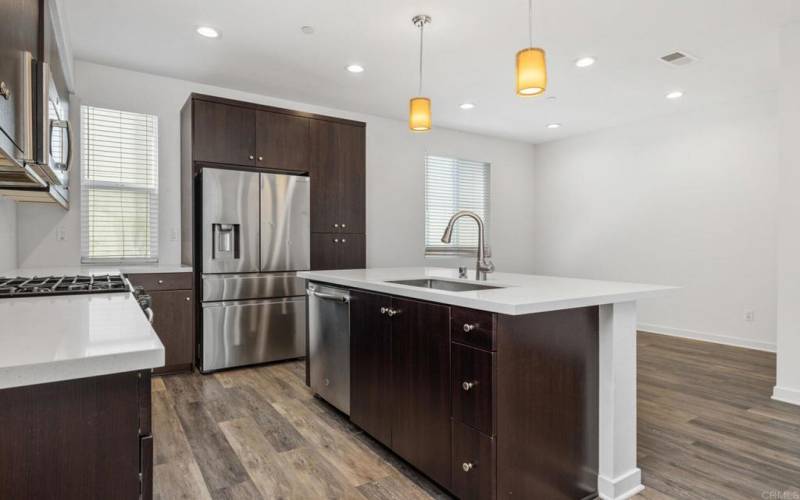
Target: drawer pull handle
(467,466)
(468,385)
(468,327)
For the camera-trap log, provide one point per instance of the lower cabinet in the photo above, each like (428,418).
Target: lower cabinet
(400,378)
(474,459)
(173,322)
(84,439)
(173,316)
(487,405)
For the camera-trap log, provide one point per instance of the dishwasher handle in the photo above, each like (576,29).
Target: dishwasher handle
(330,296)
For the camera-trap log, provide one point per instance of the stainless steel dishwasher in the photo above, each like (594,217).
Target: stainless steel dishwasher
(329,343)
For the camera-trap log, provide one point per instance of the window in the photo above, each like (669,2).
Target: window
(119,186)
(452,185)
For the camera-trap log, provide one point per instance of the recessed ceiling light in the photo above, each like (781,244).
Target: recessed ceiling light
(675,94)
(207,31)
(585,62)
(553,125)
(308,30)
(467,105)
(355,68)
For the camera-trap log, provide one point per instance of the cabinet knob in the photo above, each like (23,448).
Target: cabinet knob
(336,225)
(344,226)
(260,158)
(468,327)
(344,240)
(393,312)
(188,299)
(384,310)
(160,282)
(468,385)
(252,157)
(467,466)
(336,240)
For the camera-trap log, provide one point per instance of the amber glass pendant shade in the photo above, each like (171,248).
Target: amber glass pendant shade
(419,114)
(531,72)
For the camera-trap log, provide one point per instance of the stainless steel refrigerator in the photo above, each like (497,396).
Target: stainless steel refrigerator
(256,236)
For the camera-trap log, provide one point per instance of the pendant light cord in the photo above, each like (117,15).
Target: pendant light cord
(530,23)
(421,40)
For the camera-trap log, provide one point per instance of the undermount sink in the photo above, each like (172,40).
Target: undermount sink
(450,286)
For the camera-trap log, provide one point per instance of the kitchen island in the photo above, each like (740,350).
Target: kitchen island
(519,386)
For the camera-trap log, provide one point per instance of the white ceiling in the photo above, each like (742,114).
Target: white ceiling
(469,54)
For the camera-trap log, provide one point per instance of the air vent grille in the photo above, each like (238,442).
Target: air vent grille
(678,58)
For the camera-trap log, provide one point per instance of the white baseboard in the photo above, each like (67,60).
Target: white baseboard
(620,488)
(708,337)
(787,395)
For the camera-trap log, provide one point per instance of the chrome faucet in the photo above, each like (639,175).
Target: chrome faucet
(484,265)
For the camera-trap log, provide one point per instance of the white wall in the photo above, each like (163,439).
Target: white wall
(394,176)
(688,200)
(8,234)
(787,386)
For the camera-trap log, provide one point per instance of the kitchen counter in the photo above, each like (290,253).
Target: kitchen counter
(524,307)
(56,338)
(521,293)
(97,269)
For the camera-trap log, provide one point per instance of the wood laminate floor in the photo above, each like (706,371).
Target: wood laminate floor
(707,429)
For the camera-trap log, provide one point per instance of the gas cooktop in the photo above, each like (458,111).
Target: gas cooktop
(62,285)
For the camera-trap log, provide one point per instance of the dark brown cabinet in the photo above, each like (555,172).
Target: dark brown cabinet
(400,378)
(173,316)
(337,251)
(421,385)
(224,133)
(240,135)
(338,189)
(515,417)
(371,400)
(282,141)
(86,439)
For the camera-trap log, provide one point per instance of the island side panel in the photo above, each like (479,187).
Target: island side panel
(547,404)
(619,475)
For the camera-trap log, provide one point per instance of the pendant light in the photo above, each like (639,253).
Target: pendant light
(419,109)
(531,65)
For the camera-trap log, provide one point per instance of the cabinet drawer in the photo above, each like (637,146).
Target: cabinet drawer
(473,387)
(162,281)
(475,328)
(474,459)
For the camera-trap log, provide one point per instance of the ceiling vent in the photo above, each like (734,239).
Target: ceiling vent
(678,58)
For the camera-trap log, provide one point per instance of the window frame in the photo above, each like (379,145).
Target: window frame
(86,185)
(450,250)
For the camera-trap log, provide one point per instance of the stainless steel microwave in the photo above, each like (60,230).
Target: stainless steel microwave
(35,164)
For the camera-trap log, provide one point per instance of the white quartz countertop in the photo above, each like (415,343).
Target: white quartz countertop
(96,270)
(521,293)
(54,338)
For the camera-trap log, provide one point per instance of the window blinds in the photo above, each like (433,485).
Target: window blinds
(119,186)
(452,185)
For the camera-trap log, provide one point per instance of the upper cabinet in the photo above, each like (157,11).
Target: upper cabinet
(282,141)
(338,188)
(239,135)
(224,133)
